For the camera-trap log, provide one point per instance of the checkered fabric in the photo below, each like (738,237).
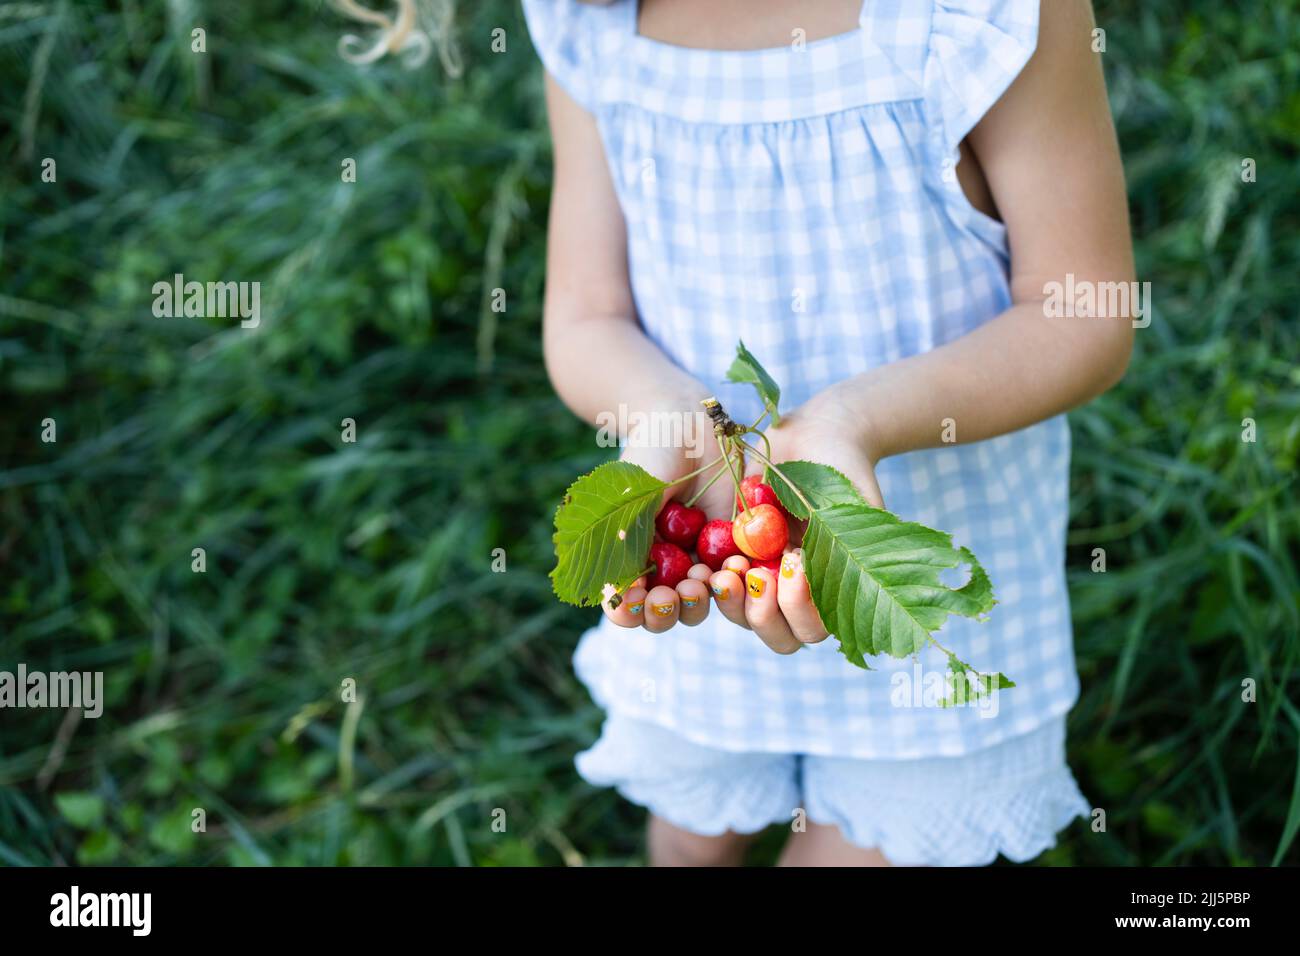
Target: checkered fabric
(804,198)
(1009,799)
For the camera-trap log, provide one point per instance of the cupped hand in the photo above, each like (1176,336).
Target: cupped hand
(778,607)
(774,603)
(661,607)
(826,431)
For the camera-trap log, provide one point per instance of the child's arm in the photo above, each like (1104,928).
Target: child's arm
(1049,152)
(597,356)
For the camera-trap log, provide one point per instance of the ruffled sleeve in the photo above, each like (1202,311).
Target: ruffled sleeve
(564,35)
(977,48)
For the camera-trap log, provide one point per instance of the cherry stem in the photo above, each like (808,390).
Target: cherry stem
(768,461)
(759,420)
(734,507)
(727,448)
(709,484)
(696,472)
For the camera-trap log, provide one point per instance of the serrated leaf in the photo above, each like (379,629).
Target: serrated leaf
(746,368)
(967,685)
(603,530)
(875,580)
(822,485)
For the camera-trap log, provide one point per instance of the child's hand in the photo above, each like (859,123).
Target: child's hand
(688,603)
(778,607)
(826,430)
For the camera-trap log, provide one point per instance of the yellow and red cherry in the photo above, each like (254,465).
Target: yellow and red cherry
(761,533)
(757,493)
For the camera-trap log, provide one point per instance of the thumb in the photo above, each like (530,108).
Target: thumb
(857,468)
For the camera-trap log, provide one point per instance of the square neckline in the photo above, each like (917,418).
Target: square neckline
(632,17)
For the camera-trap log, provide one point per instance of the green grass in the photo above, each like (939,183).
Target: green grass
(373,561)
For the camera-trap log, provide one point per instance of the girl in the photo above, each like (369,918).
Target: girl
(875,197)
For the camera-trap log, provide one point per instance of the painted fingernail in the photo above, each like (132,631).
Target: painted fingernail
(635,609)
(756,583)
(790,564)
(663,610)
(690,602)
(721,593)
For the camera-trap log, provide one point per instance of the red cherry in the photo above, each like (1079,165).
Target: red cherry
(762,533)
(772,564)
(679,524)
(756,493)
(715,543)
(671,564)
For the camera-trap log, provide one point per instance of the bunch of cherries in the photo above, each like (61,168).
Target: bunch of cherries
(760,531)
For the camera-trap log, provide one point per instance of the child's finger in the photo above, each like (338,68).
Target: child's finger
(763,613)
(693,596)
(660,609)
(729,594)
(631,607)
(700,572)
(738,563)
(795,600)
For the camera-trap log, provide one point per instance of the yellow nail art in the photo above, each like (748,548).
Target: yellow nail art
(789,564)
(721,593)
(690,602)
(663,610)
(757,584)
(635,609)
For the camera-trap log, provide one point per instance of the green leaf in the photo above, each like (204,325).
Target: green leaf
(875,580)
(746,368)
(603,531)
(82,810)
(822,485)
(967,685)
(174,832)
(99,848)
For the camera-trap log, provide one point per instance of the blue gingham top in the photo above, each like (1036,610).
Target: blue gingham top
(805,198)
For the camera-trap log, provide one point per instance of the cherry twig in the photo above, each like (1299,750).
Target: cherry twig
(768,461)
(695,473)
(709,484)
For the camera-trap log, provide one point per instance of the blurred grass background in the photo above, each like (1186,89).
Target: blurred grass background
(372,560)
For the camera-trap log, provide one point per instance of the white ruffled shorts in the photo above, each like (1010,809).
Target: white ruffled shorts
(1011,798)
